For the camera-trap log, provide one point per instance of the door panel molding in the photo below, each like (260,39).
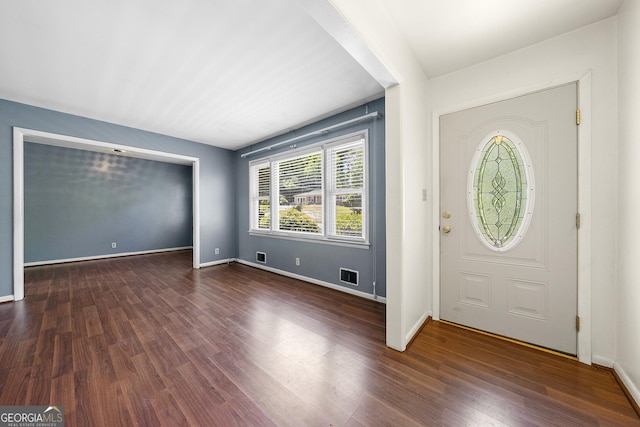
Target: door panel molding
(584,82)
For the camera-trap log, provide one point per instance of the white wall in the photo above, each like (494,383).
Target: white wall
(410,106)
(545,64)
(628,316)
(408,158)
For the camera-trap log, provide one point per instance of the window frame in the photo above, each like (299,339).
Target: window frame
(328,183)
(275,188)
(255,197)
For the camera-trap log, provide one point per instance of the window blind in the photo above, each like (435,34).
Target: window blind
(300,193)
(346,192)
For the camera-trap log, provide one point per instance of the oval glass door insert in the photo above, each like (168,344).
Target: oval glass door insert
(500,191)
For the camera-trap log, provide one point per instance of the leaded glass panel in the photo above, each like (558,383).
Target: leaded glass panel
(501,191)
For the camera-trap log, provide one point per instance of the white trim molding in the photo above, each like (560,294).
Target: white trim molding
(584,208)
(21,135)
(584,196)
(602,361)
(96,257)
(417,326)
(7,298)
(18,214)
(218,262)
(315,281)
(632,388)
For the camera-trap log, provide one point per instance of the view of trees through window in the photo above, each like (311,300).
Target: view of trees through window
(263,199)
(300,191)
(304,204)
(347,165)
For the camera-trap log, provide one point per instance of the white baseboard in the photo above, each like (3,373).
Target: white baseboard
(220,261)
(91,258)
(315,281)
(416,327)
(7,298)
(633,389)
(602,361)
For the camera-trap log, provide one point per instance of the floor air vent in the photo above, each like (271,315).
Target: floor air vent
(261,257)
(349,276)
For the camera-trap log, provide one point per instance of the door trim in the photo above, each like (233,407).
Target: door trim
(583,81)
(22,135)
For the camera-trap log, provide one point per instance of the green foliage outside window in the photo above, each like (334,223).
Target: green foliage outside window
(348,222)
(294,220)
(265,221)
(299,175)
(264,214)
(321,191)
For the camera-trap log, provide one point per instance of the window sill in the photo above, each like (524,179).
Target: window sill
(324,241)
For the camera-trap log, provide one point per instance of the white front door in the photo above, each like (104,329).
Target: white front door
(508,234)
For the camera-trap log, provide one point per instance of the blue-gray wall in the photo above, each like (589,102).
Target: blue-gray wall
(217,186)
(224,196)
(321,261)
(78,202)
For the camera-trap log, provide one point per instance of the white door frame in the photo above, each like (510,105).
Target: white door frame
(21,135)
(584,197)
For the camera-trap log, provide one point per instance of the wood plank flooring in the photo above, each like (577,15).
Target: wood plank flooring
(148,341)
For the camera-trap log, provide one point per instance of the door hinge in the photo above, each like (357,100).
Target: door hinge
(578,116)
(578,220)
(578,323)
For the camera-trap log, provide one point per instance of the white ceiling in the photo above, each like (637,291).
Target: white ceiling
(230,73)
(447,35)
(225,73)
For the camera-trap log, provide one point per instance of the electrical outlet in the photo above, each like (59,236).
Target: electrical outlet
(217,251)
(297,261)
(113,245)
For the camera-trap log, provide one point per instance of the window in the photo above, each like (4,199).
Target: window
(260,199)
(500,191)
(299,184)
(319,192)
(346,192)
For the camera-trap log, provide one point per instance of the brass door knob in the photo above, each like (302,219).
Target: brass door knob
(446,229)
(446,215)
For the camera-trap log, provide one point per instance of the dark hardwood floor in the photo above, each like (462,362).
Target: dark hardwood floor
(148,341)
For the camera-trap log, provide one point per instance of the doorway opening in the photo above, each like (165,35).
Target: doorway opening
(20,136)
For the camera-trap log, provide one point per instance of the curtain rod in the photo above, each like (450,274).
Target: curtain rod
(322,131)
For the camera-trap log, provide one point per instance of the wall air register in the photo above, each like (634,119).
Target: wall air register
(261,257)
(349,276)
